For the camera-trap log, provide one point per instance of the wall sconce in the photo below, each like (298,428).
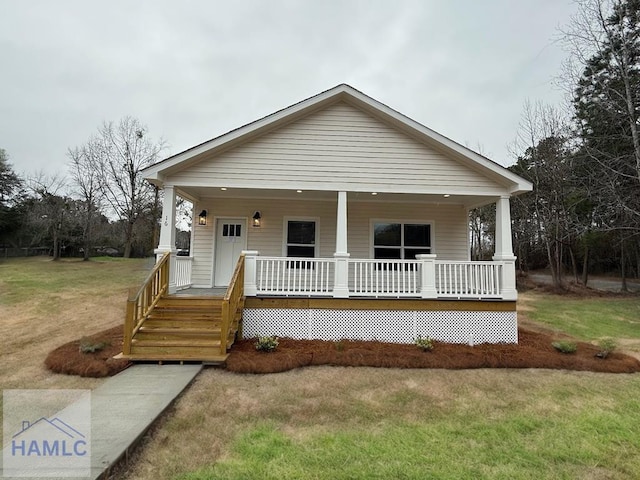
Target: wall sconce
(256,219)
(202,218)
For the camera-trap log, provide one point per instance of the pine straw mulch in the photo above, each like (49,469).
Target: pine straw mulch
(68,358)
(534,350)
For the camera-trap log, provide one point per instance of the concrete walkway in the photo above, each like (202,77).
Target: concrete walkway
(124,407)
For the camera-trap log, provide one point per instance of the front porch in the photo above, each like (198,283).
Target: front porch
(323,296)
(386,300)
(341,272)
(391,301)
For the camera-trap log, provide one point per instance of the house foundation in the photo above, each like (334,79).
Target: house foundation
(396,321)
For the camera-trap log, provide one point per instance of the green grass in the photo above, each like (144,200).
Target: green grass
(574,427)
(589,318)
(34,278)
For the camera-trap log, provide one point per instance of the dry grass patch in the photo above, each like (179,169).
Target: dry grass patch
(44,304)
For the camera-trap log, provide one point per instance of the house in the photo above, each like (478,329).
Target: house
(337,217)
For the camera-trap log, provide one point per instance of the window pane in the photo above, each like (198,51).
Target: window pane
(301,232)
(238,230)
(410,253)
(417,235)
(388,253)
(298,251)
(386,234)
(225,230)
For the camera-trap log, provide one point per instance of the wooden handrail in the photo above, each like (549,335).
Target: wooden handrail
(141,303)
(233,300)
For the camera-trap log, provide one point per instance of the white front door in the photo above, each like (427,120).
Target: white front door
(231,240)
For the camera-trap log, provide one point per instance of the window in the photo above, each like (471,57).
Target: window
(301,238)
(231,230)
(401,240)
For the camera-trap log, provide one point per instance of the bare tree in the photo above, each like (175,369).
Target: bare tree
(125,151)
(84,166)
(541,148)
(603,39)
(53,205)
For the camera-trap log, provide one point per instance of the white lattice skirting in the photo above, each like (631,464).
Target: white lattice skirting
(394,326)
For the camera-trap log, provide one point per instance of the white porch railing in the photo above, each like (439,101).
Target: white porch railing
(384,278)
(182,271)
(295,276)
(468,279)
(424,277)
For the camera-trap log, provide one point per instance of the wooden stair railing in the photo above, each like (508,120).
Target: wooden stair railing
(232,304)
(140,304)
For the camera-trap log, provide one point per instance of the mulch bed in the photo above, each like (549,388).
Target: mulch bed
(68,358)
(534,350)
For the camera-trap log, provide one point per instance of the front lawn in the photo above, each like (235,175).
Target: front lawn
(587,318)
(352,423)
(44,304)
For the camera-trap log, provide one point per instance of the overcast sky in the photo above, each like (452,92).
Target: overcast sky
(191,70)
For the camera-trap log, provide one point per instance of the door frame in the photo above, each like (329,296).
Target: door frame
(216,220)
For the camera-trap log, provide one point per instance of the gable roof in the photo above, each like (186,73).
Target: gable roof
(513,183)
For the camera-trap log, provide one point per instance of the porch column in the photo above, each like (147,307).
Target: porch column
(504,249)
(168,233)
(341,274)
(428,275)
(250,272)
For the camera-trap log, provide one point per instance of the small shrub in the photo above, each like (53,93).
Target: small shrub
(424,344)
(339,345)
(266,344)
(90,346)
(565,346)
(607,345)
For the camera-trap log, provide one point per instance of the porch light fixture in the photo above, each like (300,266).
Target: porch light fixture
(374,193)
(298,191)
(202,218)
(446,195)
(256,219)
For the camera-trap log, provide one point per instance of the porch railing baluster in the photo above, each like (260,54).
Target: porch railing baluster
(378,278)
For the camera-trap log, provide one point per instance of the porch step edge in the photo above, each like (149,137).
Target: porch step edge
(214,359)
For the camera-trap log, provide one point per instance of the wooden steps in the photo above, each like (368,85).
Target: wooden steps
(182,327)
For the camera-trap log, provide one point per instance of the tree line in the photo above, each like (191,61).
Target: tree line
(103,206)
(583,215)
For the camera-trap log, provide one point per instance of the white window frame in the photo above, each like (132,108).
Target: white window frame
(373,221)
(285,232)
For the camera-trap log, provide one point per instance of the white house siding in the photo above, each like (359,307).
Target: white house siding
(449,225)
(338,148)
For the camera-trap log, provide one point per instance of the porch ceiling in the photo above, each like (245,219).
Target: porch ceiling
(331,196)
